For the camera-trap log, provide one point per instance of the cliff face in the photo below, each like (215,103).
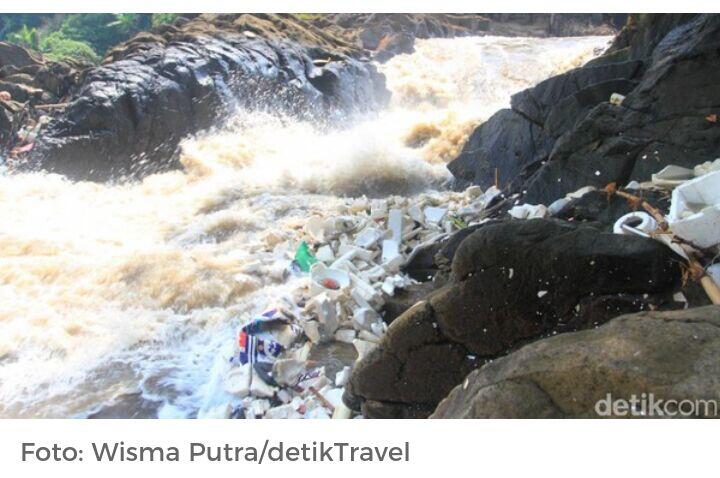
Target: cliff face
(564,133)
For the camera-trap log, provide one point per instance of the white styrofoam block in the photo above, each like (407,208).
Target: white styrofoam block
(390,250)
(695,210)
(714,272)
(434,214)
(395,224)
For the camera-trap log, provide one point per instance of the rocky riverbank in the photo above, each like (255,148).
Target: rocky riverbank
(514,282)
(564,133)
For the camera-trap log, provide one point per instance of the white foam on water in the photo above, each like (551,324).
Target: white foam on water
(129,293)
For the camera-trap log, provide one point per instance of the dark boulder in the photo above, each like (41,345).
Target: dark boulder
(16,56)
(665,64)
(669,355)
(535,103)
(130,114)
(500,149)
(512,282)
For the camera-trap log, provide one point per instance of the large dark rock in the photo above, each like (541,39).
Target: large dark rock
(16,56)
(501,148)
(665,64)
(131,113)
(512,282)
(669,355)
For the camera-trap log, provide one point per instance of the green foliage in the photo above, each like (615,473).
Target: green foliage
(308,16)
(100,30)
(163,18)
(58,47)
(12,22)
(26,37)
(72,33)
(124,22)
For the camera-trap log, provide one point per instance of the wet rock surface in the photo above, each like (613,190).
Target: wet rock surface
(131,113)
(564,133)
(512,282)
(671,355)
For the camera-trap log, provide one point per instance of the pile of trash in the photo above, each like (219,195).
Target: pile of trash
(343,267)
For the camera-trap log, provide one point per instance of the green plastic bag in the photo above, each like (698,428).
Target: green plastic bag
(304,258)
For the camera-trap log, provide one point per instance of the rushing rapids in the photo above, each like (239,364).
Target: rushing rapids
(129,295)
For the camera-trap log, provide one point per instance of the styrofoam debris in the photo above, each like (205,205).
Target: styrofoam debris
(368,336)
(378,208)
(395,224)
(714,272)
(379,328)
(707,167)
(288,371)
(363,347)
(390,250)
(474,192)
(672,176)
(416,214)
(283,411)
(341,378)
(325,254)
(258,408)
(558,205)
(328,280)
(345,335)
(315,228)
(529,211)
(312,331)
(359,254)
(317,413)
(434,214)
(617,99)
(327,314)
(638,223)
(359,205)
(695,210)
(368,237)
(364,317)
(580,192)
(334,396)
(491,193)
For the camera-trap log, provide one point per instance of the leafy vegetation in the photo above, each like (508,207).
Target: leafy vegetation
(163,18)
(83,36)
(26,37)
(57,47)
